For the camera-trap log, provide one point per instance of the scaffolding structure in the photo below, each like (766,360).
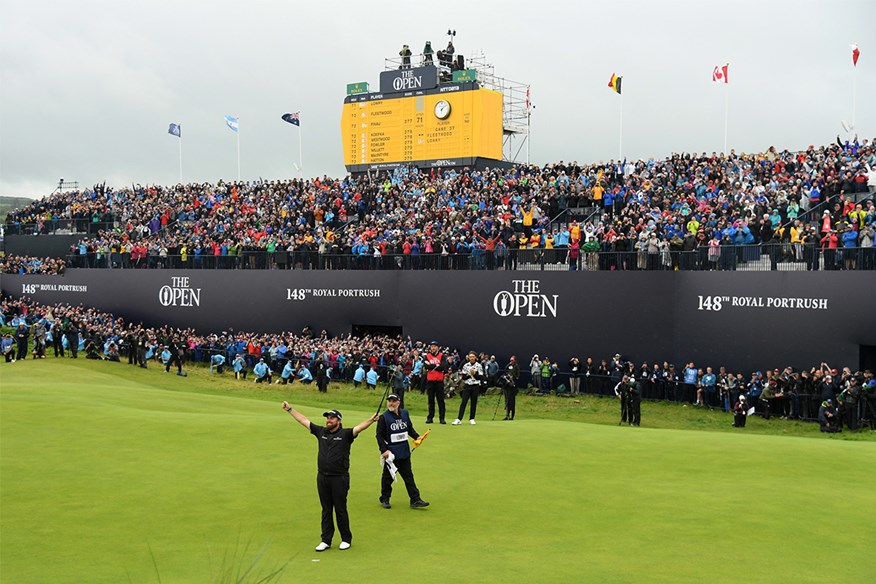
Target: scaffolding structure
(516,104)
(516,108)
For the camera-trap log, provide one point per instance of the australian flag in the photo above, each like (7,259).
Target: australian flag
(175,130)
(292,119)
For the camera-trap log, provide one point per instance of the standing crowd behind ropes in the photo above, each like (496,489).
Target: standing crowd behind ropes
(62,330)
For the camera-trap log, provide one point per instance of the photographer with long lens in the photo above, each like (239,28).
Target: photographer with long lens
(508,383)
(634,401)
(850,397)
(620,391)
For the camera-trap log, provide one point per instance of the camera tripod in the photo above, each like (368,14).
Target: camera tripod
(868,413)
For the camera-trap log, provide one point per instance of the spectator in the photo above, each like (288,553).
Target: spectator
(7,345)
(217,361)
(740,412)
(262,372)
(239,366)
(828,418)
(371,378)
(206,225)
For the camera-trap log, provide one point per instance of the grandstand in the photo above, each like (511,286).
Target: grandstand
(685,211)
(633,256)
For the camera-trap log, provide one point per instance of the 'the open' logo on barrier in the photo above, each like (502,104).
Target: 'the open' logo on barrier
(179,293)
(525,300)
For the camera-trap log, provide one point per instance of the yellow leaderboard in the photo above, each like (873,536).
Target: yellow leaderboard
(442,127)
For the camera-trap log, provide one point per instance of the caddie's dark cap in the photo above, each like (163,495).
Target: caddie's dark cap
(392,397)
(333,414)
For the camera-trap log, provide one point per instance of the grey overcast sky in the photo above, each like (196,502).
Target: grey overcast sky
(88,88)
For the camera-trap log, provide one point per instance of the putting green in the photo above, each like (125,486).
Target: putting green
(108,478)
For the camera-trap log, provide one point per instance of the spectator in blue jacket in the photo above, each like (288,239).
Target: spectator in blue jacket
(7,346)
(707,393)
(850,241)
(217,361)
(239,366)
(371,378)
(304,375)
(755,388)
(689,379)
(262,372)
(418,380)
(288,373)
(359,376)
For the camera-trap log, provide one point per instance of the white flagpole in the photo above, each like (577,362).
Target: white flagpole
(180,159)
(528,125)
(726,110)
(528,133)
(621,138)
(854,92)
(238,148)
(300,152)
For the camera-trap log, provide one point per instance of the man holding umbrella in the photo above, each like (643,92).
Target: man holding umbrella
(394,427)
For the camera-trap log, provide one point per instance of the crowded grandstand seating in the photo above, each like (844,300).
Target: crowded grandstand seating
(813,208)
(32,265)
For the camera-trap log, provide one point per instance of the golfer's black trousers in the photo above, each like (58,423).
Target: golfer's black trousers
(333,498)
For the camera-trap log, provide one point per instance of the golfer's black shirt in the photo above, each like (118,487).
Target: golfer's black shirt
(334,450)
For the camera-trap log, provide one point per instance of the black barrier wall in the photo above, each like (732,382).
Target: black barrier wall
(743,321)
(42,246)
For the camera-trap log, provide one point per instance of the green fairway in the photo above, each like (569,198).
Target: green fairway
(114,474)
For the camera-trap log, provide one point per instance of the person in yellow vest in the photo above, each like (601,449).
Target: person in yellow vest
(797,240)
(523,242)
(125,254)
(527,220)
(534,246)
(574,232)
(598,190)
(549,254)
(858,215)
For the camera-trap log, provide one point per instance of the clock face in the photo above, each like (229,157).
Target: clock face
(442,109)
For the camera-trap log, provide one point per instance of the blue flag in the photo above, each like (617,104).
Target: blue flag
(231,122)
(293,119)
(175,130)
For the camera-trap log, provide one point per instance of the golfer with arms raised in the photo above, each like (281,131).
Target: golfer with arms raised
(333,471)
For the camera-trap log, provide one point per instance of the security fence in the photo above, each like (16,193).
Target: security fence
(763,257)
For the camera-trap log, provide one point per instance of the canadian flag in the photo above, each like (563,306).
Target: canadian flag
(855,54)
(719,74)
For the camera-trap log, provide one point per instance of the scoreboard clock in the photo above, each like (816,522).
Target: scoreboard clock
(442,109)
(449,125)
